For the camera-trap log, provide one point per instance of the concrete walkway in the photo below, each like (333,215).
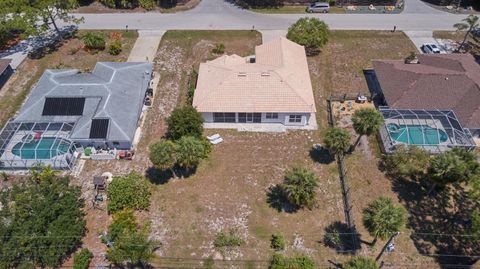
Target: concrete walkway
(146,46)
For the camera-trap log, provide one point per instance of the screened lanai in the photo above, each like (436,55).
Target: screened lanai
(433,130)
(24,145)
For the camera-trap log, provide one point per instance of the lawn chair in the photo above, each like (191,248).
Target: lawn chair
(213,137)
(217,141)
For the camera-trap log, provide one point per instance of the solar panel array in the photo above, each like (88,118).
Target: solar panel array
(63,106)
(99,128)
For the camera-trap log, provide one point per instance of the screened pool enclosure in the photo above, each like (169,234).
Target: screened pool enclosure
(432,130)
(24,145)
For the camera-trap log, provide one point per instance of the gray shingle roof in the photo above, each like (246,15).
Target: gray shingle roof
(114,90)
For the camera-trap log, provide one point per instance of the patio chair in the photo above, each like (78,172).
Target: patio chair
(213,137)
(216,141)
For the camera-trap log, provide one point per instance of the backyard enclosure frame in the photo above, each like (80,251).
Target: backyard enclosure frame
(440,120)
(26,145)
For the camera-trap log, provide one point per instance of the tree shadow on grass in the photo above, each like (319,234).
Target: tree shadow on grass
(321,155)
(339,237)
(277,200)
(440,222)
(158,176)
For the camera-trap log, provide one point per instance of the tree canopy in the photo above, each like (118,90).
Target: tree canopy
(309,32)
(337,140)
(191,151)
(470,23)
(382,218)
(42,221)
(131,191)
(366,121)
(299,186)
(407,161)
(185,121)
(163,154)
(361,262)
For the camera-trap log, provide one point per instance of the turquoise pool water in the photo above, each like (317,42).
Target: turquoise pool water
(416,134)
(46,148)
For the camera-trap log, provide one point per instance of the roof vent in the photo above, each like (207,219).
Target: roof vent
(242,74)
(252,60)
(446,78)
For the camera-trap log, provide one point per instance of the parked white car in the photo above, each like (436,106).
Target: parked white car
(318,7)
(430,48)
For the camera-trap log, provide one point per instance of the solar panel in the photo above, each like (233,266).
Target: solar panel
(63,106)
(99,128)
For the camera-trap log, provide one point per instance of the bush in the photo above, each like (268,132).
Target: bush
(163,154)
(360,262)
(300,262)
(147,4)
(277,242)
(192,84)
(332,238)
(219,48)
(94,41)
(185,121)
(230,239)
(82,259)
(300,186)
(309,32)
(115,47)
(131,191)
(123,221)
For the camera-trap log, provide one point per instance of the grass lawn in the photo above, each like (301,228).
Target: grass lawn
(97,7)
(69,55)
(229,190)
(291,10)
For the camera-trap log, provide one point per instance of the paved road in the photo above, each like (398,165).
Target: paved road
(219,14)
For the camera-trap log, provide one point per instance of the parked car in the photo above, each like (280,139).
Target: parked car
(318,7)
(430,48)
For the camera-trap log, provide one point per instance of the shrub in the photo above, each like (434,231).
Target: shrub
(115,47)
(192,84)
(332,238)
(94,41)
(230,239)
(109,3)
(300,262)
(360,262)
(147,4)
(82,259)
(277,242)
(185,121)
(130,191)
(309,32)
(116,36)
(219,48)
(300,186)
(163,154)
(123,221)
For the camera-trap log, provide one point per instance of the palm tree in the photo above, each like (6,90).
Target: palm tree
(360,262)
(366,121)
(300,186)
(470,23)
(337,140)
(163,155)
(382,218)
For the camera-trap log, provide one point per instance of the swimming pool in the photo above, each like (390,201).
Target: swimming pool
(45,148)
(416,134)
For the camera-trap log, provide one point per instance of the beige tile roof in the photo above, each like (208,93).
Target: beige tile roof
(279,81)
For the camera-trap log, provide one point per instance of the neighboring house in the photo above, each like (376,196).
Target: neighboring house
(68,109)
(272,88)
(6,71)
(434,103)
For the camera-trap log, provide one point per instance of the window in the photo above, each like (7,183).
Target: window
(223,117)
(295,118)
(272,115)
(250,117)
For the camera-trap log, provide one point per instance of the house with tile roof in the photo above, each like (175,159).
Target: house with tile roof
(432,102)
(270,89)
